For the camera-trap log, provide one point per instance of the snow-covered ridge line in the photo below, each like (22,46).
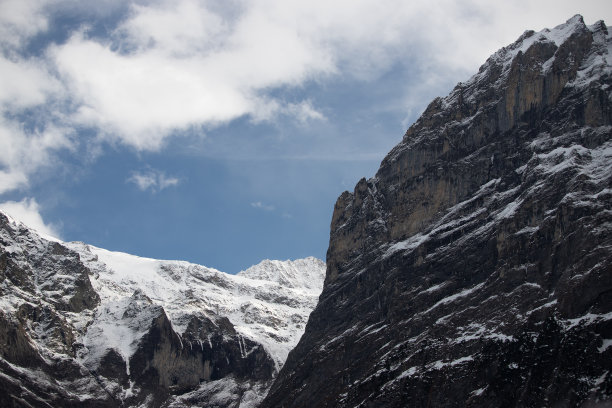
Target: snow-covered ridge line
(600,62)
(268,303)
(268,311)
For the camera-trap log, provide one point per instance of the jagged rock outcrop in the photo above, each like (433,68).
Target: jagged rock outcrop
(82,326)
(475,268)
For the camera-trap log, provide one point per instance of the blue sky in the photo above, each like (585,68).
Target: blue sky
(222,132)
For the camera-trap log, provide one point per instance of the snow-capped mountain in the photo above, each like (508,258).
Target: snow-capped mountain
(475,268)
(81,325)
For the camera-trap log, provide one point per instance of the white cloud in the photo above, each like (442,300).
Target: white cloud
(154,180)
(26,152)
(181,29)
(262,206)
(178,65)
(12,179)
(140,99)
(172,65)
(27,211)
(20,20)
(25,83)
(303,111)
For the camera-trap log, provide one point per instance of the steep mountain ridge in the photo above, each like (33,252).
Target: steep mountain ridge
(475,268)
(287,273)
(83,325)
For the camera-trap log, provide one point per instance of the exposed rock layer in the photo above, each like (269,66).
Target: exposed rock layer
(475,268)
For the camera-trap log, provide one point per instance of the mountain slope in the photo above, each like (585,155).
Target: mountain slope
(475,268)
(83,325)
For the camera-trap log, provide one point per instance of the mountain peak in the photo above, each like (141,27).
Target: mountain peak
(119,329)
(301,273)
(475,268)
(575,20)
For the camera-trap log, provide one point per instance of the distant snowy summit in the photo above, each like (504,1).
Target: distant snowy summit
(307,273)
(83,325)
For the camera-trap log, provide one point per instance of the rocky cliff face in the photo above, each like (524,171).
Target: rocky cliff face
(82,326)
(475,268)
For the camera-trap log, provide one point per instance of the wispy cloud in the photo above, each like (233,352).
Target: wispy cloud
(304,111)
(262,206)
(153,180)
(25,152)
(27,211)
(271,208)
(20,20)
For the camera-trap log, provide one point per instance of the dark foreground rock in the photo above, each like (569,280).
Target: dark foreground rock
(475,268)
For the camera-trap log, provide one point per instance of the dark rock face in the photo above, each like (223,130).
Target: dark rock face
(167,364)
(34,267)
(46,280)
(475,268)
